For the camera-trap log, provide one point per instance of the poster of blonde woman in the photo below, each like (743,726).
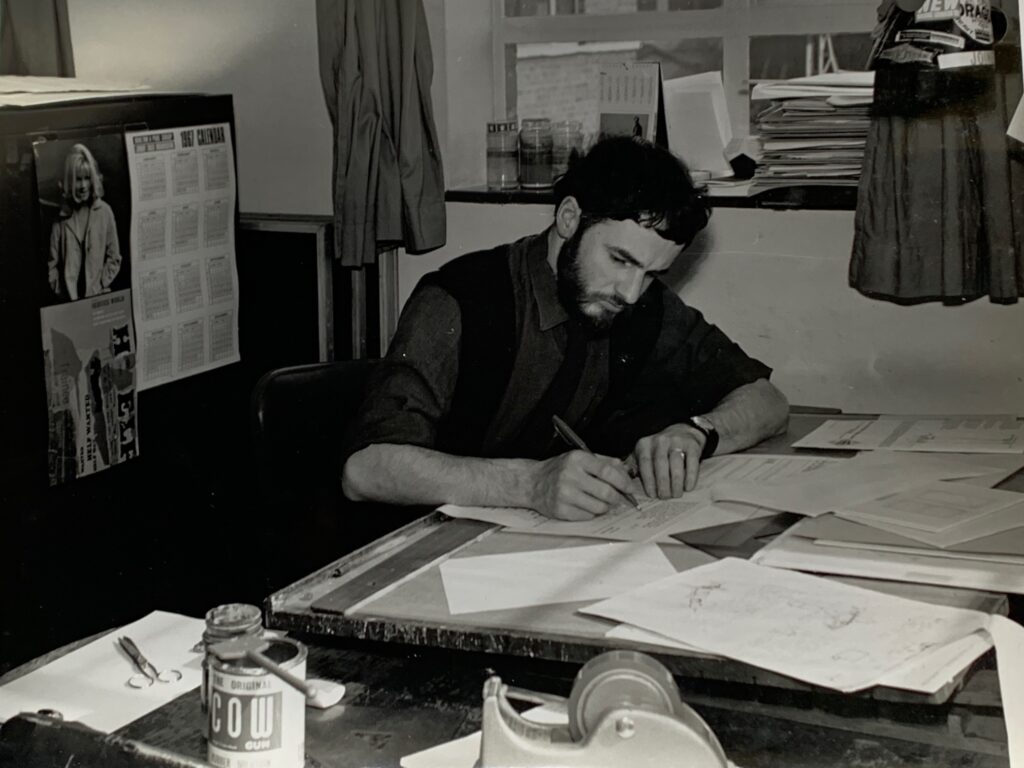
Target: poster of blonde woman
(84,210)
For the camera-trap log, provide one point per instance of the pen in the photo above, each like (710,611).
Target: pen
(566,433)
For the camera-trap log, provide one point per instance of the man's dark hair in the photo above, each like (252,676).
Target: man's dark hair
(626,178)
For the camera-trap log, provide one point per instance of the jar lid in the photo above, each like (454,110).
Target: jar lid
(502,127)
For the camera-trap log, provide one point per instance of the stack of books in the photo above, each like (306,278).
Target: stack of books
(815,130)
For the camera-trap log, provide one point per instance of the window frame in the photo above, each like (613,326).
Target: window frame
(735,23)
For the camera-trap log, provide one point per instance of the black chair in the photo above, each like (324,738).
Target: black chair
(299,416)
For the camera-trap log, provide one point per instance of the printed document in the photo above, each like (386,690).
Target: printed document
(184,280)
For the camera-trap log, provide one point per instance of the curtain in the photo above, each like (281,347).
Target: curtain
(940,208)
(376,68)
(35,38)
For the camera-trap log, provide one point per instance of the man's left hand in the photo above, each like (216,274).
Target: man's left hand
(668,462)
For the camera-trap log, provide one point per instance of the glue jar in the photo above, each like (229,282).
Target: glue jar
(257,718)
(224,623)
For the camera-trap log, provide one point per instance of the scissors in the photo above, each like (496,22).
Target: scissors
(147,674)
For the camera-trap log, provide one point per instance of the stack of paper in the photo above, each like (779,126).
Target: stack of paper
(22,91)
(952,534)
(815,131)
(808,628)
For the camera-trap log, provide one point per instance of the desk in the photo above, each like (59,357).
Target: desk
(410,687)
(332,602)
(401,699)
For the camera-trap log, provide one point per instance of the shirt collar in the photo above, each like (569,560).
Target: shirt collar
(545,287)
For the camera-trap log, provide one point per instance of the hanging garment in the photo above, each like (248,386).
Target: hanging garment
(941,196)
(375,68)
(35,38)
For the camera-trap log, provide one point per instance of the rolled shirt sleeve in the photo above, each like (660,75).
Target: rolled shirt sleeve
(409,392)
(704,363)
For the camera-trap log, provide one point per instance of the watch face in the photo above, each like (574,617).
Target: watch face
(703,424)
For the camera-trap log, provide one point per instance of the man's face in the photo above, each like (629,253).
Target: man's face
(606,265)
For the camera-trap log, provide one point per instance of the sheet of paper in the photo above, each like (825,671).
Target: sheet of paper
(541,577)
(464,752)
(1001,433)
(1008,637)
(934,508)
(924,552)
(1000,534)
(697,119)
(1016,127)
(798,625)
(844,484)
(716,514)
(791,550)
(927,673)
(90,684)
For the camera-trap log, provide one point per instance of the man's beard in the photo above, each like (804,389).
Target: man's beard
(572,291)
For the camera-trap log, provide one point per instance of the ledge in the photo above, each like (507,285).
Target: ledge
(788,198)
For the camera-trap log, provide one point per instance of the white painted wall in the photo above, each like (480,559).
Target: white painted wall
(775,281)
(262,52)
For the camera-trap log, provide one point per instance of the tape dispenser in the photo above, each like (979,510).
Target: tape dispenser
(624,710)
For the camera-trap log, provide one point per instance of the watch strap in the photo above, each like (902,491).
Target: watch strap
(706,428)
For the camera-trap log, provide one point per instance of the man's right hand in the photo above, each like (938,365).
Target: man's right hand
(579,486)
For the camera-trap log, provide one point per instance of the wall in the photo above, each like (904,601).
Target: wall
(263,52)
(776,282)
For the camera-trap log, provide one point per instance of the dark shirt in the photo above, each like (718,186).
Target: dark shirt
(408,397)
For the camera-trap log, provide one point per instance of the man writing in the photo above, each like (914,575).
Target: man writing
(571,323)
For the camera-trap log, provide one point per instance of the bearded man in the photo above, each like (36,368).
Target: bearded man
(572,322)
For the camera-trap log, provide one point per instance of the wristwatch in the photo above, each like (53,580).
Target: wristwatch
(703,425)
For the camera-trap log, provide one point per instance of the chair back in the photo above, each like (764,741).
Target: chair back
(299,418)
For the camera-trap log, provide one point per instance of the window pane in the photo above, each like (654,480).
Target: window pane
(783,56)
(561,81)
(602,7)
